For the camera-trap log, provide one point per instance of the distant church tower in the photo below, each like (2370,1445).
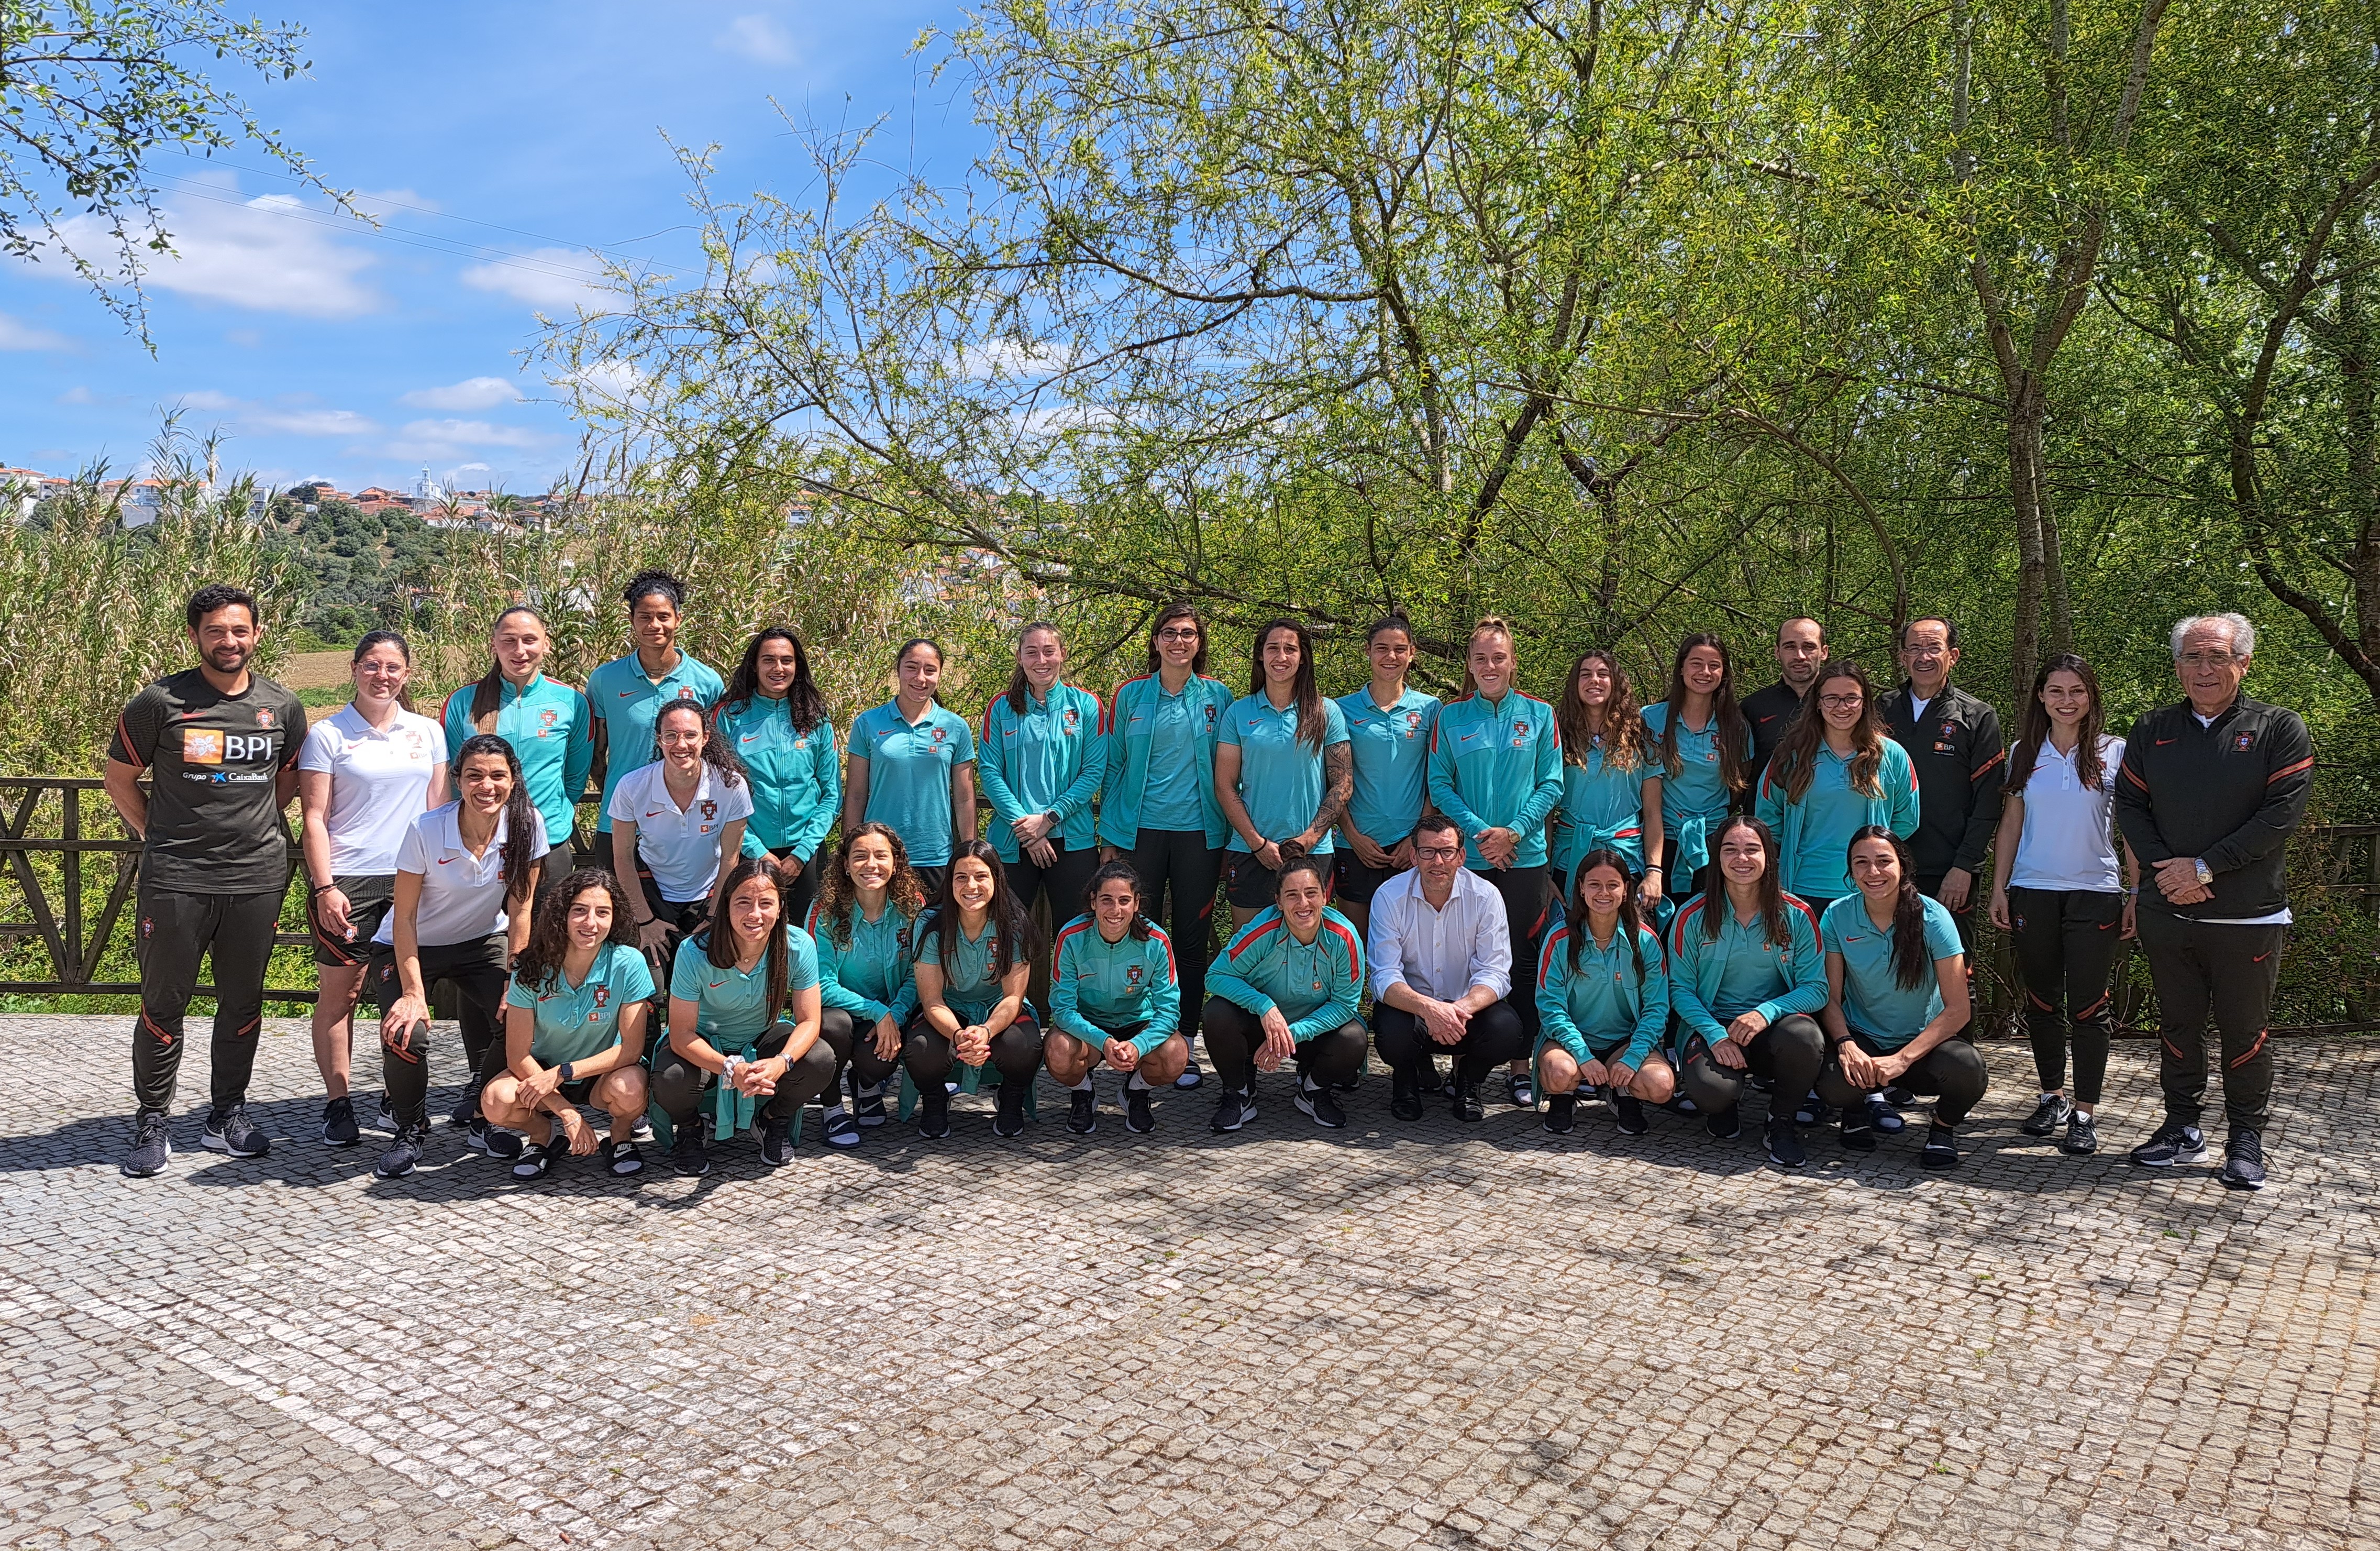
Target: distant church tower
(425,488)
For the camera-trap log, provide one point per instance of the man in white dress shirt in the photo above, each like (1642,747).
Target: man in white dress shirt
(1441,963)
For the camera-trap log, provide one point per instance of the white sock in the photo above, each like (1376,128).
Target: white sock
(1137,1080)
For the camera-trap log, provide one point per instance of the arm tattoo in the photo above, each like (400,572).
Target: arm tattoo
(1337,783)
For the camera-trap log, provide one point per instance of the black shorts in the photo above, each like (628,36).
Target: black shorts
(369,898)
(1353,883)
(1250,886)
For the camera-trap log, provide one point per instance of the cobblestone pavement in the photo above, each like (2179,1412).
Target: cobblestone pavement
(1387,1337)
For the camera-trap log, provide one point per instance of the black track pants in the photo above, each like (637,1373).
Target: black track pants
(2226,972)
(2065,945)
(174,932)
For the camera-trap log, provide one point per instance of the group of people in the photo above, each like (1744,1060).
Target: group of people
(1647,905)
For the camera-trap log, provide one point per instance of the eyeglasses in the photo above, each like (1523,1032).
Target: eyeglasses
(1177,635)
(1841,703)
(1436,853)
(2208,659)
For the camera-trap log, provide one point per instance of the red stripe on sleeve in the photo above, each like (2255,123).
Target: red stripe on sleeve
(2303,765)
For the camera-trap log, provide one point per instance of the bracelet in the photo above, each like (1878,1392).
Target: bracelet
(321,889)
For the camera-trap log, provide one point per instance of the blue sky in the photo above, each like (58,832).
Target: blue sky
(322,349)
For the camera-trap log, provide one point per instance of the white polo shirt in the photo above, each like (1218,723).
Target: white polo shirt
(379,784)
(462,895)
(2068,842)
(1439,953)
(680,846)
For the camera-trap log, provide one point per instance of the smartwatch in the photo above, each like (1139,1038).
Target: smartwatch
(565,1073)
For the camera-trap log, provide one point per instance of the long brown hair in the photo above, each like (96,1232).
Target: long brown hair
(1014,940)
(1910,962)
(2088,768)
(1716,905)
(804,705)
(1631,920)
(1796,763)
(718,939)
(1489,625)
(838,900)
(521,817)
(1624,737)
(539,964)
(1019,687)
(1727,721)
(1313,719)
(1165,616)
(488,694)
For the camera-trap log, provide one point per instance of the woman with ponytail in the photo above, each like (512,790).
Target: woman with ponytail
(1603,1001)
(1040,762)
(1114,1001)
(1702,748)
(1283,770)
(628,691)
(466,874)
(550,725)
(774,718)
(678,825)
(1896,998)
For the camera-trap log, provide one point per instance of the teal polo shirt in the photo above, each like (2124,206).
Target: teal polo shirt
(628,702)
(909,767)
(1390,747)
(1874,1003)
(576,1022)
(1281,776)
(969,988)
(732,1004)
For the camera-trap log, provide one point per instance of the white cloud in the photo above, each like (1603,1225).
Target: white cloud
(266,255)
(1009,358)
(473,393)
(760,37)
(552,279)
(16,336)
(293,420)
(476,434)
(603,384)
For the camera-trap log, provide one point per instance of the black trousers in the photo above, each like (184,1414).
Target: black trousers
(679,1084)
(1788,1053)
(477,969)
(855,1048)
(803,892)
(683,919)
(1015,1051)
(1494,1036)
(1234,1035)
(1528,893)
(2065,946)
(1063,881)
(176,932)
(1952,1072)
(1178,866)
(2226,972)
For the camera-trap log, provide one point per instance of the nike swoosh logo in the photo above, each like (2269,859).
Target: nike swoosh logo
(716,984)
(2163,741)
(749,737)
(2262,956)
(625,693)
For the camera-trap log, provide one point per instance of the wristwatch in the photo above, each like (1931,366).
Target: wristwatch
(565,1073)
(2206,873)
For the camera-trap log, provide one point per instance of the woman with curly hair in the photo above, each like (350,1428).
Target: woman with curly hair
(574,1017)
(676,825)
(865,925)
(1611,785)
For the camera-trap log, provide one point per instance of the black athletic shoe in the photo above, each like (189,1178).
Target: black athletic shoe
(1138,1119)
(1316,1100)
(229,1132)
(1191,1076)
(1082,1112)
(1523,1088)
(1899,1097)
(1465,1105)
(837,1126)
(1858,1135)
(1628,1110)
(1432,1080)
(1785,1143)
(537,1158)
(1008,1109)
(493,1141)
(687,1155)
(1811,1111)
(1404,1095)
(777,1143)
(412,1144)
(1562,1113)
(464,1113)
(1234,1110)
(2171,1143)
(1941,1150)
(1725,1124)
(151,1146)
(2082,1135)
(339,1123)
(2243,1160)
(1883,1116)
(624,1158)
(868,1105)
(2048,1116)
(933,1112)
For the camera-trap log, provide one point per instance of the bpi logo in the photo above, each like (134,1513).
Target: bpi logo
(206,746)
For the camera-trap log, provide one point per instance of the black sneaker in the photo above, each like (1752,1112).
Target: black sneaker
(1008,1108)
(1404,1095)
(2048,1116)
(537,1158)
(1725,1124)
(1628,1110)
(933,1112)
(412,1144)
(1432,1080)
(1899,1097)
(624,1158)
(1883,1115)
(2082,1135)
(1465,1105)
(339,1128)
(1941,1150)
(2173,1143)
(466,1111)
(229,1132)
(641,1129)
(491,1140)
(687,1155)
(868,1105)
(1191,1076)
(2243,1160)
(1316,1100)
(1562,1113)
(1138,1119)
(1523,1088)
(1785,1143)
(1858,1135)
(837,1126)
(151,1146)
(1811,1111)
(1082,1112)
(777,1143)
(1234,1110)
